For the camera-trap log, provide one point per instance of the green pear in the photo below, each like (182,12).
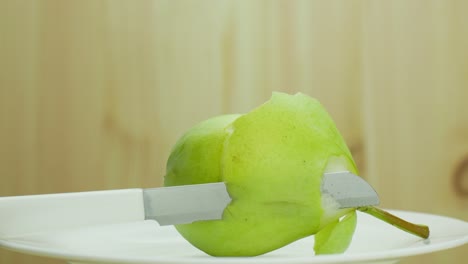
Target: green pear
(272,160)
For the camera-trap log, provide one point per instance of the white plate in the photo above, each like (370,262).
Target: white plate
(107,235)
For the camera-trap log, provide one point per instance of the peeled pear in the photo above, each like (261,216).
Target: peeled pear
(272,160)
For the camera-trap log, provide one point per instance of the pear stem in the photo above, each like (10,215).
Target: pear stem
(415,229)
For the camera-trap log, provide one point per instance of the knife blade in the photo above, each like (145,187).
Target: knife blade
(198,202)
(349,190)
(186,203)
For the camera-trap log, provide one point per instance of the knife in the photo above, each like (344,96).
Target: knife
(198,202)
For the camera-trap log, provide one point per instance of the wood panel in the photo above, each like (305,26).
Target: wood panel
(94,93)
(415,81)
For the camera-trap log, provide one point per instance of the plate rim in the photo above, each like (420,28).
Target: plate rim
(391,254)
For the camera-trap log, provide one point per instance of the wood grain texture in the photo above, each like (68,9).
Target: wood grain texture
(415,80)
(93,94)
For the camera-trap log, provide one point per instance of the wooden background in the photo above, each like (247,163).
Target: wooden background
(94,93)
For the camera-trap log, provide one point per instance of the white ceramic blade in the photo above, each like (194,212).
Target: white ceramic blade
(186,203)
(349,190)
